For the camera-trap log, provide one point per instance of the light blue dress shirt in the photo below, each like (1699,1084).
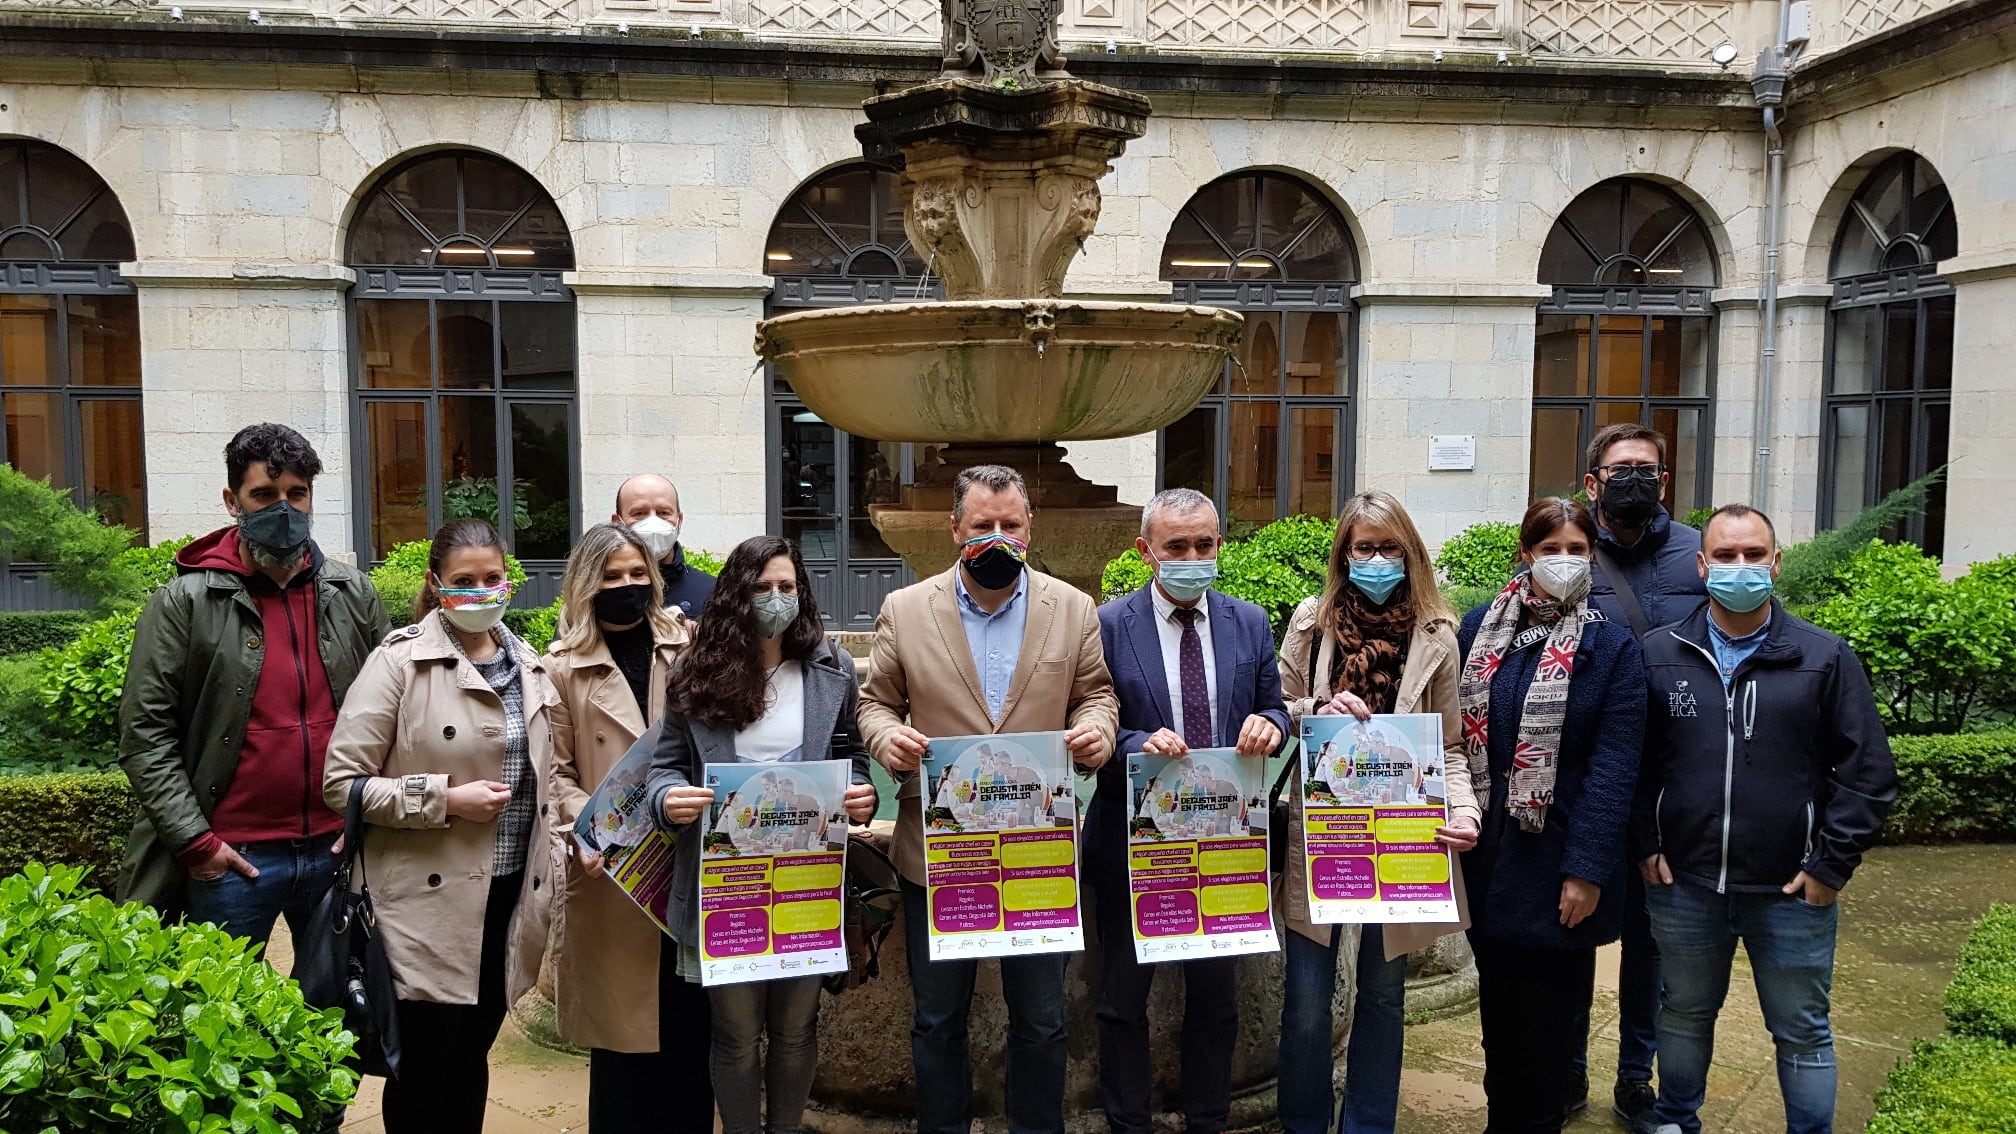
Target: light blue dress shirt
(995,639)
(1730,652)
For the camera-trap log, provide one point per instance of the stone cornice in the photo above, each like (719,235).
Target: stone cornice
(223,274)
(1977,267)
(1789,295)
(729,285)
(1487,294)
(1958,38)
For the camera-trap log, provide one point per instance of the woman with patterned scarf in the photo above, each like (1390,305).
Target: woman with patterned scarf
(1379,639)
(1553,707)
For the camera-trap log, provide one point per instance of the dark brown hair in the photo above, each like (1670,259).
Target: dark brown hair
(720,680)
(453,536)
(1549,513)
(1622,431)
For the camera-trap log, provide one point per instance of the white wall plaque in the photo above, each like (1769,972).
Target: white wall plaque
(1452,451)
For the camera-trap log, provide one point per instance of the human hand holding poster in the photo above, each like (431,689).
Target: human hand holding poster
(617,824)
(1372,797)
(1197,855)
(772,866)
(1001,846)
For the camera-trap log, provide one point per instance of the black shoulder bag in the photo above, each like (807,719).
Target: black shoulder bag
(1626,597)
(339,959)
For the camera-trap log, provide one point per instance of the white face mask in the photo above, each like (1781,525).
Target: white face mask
(477,619)
(1565,577)
(658,533)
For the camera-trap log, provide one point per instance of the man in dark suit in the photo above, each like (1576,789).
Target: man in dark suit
(1193,668)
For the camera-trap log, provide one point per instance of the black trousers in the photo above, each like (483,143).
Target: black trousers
(1210,1025)
(444,1072)
(1534,1005)
(667,1091)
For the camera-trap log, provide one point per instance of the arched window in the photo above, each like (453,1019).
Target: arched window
(837,242)
(1274,438)
(463,360)
(1627,336)
(69,333)
(1890,347)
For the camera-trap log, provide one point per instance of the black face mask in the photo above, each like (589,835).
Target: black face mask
(621,606)
(995,568)
(279,528)
(1629,503)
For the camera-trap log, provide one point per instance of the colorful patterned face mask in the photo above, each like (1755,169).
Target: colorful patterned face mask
(994,560)
(475,610)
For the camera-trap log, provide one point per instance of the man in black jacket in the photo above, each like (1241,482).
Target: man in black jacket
(650,505)
(1766,776)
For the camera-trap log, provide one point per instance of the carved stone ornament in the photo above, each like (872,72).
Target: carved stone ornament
(1008,42)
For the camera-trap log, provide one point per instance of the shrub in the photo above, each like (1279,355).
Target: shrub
(81,682)
(1481,555)
(404,572)
(1952,1085)
(1274,568)
(537,626)
(1954,787)
(708,562)
(1937,652)
(117,1022)
(31,631)
(154,566)
(77,818)
(1812,570)
(1981,1000)
(40,524)
(31,740)
(1465,599)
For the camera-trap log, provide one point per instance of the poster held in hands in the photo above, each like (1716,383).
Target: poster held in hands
(617,824)
(1372,796)
(1197,855)
(772,870)
(1001,846)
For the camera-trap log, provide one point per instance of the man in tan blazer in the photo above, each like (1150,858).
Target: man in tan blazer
(987,647)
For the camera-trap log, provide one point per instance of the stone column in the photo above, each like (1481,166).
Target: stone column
(224,346)
(1446,359)
(1981,478)
(668,385)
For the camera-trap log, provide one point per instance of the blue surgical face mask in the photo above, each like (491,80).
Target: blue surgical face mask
(1378,576)
(1186,580)
(1741,587)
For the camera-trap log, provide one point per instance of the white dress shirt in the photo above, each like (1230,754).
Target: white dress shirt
(780,732)
(1171,633)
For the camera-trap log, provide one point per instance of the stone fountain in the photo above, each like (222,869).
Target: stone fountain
(1004,154)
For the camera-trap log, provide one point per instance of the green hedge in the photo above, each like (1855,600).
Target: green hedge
(1954,787)
(80,819)
(26,631)
(1953,1085)
(1981,1000)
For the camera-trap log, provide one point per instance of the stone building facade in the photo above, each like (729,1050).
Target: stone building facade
(1547,214)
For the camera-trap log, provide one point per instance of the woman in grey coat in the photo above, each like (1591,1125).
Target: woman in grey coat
(761,684)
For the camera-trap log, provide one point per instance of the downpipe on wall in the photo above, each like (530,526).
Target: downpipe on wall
(1768,83)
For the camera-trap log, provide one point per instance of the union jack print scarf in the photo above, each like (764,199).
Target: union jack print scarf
(1530,789)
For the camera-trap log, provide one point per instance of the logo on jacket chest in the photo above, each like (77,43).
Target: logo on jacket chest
(1680,703)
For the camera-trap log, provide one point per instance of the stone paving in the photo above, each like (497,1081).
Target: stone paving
(1908,911)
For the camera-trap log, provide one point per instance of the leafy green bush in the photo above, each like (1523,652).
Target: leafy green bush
(1937,652)
(1981,1000)
(31,740)
(1952,1085)
(1481,555)
(77,818)
(1462,600)
(81,682)
(1697,518)
(40,524)
(1954,787)
(30,631)
(404,572)
(706,561)
(1812,570)
(116,1022)
(154,566)
(1274,568)
(537,626)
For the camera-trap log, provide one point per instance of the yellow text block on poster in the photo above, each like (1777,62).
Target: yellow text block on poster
(1024,894)
(1246,898)
(818,876)
(1043,852)
(1251,860)
(977,849)
(1414,868)
(1407,830)
(805,917)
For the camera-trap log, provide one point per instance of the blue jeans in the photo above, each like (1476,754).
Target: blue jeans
(1637,993)
(1791,949)
(1372,1063)
(293,876)
(1033,986)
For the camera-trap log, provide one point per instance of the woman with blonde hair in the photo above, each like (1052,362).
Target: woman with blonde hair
(616,988)
(1379,639)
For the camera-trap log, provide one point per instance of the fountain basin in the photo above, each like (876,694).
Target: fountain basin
(975,371)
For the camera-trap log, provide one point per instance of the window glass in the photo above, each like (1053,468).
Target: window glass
(467,340)
(1557,451)
(28,341)
(542,459)
(35,437)
(1850,441)
(104,334)
(1561,356)
(1312,466)
(808,469)
(396,439)
(1629,232)
(1190,451)
(1258,226)
(848,222)
(1255,474)
(394,336)
(113,479)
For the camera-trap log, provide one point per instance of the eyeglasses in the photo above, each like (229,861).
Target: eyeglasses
(1609,473)
(1389,550)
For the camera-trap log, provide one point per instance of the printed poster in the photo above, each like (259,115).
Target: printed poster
(1197,855)
(773,865)
(617,824)
(1372,796)
(1001,846)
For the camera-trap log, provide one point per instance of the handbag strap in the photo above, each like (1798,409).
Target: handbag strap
(353,833)
(1627,598)
(1287,769)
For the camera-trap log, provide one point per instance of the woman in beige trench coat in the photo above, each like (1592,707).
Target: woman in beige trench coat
(1379,639)
(447,734)
(616,989)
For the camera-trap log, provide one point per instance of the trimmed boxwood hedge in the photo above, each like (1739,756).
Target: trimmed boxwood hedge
(1981,1001)
(80,818)
(1954,787)
(1953,1085)
(26,631)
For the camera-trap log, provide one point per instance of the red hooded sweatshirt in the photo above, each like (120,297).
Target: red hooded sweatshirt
(276,791)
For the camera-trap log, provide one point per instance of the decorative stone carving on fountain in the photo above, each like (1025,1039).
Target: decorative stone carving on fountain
(1004,41)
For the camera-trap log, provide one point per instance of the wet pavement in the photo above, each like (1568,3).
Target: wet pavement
(1903,920)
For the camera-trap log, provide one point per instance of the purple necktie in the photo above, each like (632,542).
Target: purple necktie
(1197,732)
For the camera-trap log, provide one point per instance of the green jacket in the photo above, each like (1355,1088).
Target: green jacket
(196,659)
